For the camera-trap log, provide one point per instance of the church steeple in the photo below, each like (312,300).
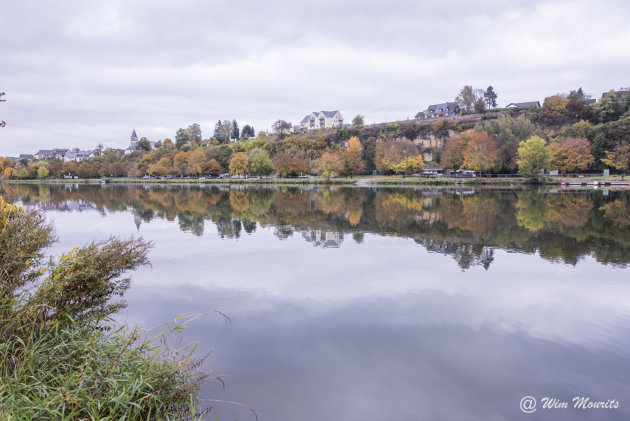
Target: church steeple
(134,136)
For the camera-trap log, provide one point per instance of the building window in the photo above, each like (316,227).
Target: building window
(322,122)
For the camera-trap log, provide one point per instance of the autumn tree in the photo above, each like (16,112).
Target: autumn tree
(282,128)
(533,157)
(352,162)
(54,167)
(453,151)
(42,172)
(239,164)
(571,155)
(392,152)
(329,163)
(466,98)
(619,158)
(291,163)
(69,168)
(157,170)
(409,165)
(481,153)
(554,110)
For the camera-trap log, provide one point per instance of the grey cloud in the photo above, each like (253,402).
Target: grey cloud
(73,69)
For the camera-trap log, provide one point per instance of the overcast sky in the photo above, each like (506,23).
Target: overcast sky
(79,73)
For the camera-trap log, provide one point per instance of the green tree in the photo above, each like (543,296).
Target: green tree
(508,132)
(533,157)
(357,121)
(259,162)
(194,133)
(612,105)
(223,155)
(144,145)
(182,137)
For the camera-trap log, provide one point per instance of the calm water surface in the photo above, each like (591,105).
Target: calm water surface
(351,304)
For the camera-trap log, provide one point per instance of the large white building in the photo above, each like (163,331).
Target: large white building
(321,120)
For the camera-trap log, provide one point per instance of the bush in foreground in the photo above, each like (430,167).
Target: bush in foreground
(59,357)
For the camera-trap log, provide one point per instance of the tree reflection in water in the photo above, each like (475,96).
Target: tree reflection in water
(467,225)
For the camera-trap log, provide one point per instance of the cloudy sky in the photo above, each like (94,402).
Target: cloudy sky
(80,73)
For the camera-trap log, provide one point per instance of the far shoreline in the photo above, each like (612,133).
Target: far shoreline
(366,181)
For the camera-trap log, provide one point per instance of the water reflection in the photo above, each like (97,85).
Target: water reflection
(379,304)
(465,224)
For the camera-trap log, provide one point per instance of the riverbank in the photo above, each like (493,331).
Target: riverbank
(366,181)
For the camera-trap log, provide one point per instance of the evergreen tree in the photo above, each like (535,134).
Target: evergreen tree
(217,131)
(235,133)
(248,131)
(490,97)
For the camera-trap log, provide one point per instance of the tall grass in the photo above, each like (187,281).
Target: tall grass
(59,357)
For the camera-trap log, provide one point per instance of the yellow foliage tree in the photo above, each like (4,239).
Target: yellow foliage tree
(239,164)
(409,165)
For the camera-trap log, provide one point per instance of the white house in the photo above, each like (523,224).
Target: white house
(321,120)
(78,156)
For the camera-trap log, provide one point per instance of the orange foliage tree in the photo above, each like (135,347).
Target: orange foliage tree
(481,153)
(571,155)
(619,158)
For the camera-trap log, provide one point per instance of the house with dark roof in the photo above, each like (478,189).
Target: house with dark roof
(530,104)
(44,154)
(321,120)
(444,109)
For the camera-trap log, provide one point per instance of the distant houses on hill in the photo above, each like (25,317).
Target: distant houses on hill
(322,120)
(529,104)
(63,154)
(446,109)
